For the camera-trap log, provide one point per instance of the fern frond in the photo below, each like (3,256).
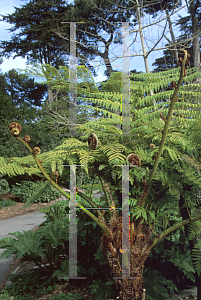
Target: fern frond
(114,151)
(191,161)
(14,170)
(196,257)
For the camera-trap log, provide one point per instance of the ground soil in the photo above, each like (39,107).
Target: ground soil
(18,210)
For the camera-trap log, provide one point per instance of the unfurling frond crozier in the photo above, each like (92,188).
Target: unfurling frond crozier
(133,160)
(181,58)
(173,84)
(36,150)
(93,141)
(56,173)
(15,128)
(27,139)
(152,146)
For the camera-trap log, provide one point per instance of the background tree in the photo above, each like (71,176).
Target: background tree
(158,7)
(99,16)
(18,94)
(190,25)
(190,37)
(36,40)
(139,8)
(23,89)
(167,60)
(56,114)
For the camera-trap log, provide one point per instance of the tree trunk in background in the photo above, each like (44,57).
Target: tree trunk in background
(196,44)
(139,243)
(196,57)
(142,39)
(172,36)
(108,64)
(50,95)
(144,49)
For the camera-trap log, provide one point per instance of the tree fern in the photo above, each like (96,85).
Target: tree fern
(76,151)
(144,112)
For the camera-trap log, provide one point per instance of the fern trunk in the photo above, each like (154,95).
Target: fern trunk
(139,243)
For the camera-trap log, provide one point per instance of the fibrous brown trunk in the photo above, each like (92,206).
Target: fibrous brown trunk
(139,243)
(50,95)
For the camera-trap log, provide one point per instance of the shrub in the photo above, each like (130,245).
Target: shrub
(4,295)
(6,203)
(25,189)
(4,186)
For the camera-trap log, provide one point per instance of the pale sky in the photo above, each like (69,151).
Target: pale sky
(151,35)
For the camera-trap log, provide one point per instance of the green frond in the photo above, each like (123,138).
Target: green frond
(55,232)
(53,165)
(59,79)
(194,229)
(196,257)
(177,138)
(103,99)
(194,131)
(14,170)
(114,151)
(87,157)
(173,153)
(161,96)
(105,112)
(101,126)
(192,161)
(62,152)
(11,170)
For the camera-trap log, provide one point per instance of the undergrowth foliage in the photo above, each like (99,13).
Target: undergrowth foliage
(26,189)
(171,163)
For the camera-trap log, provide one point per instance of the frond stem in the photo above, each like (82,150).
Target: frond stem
(166,127)
(171,229)
(61,190)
